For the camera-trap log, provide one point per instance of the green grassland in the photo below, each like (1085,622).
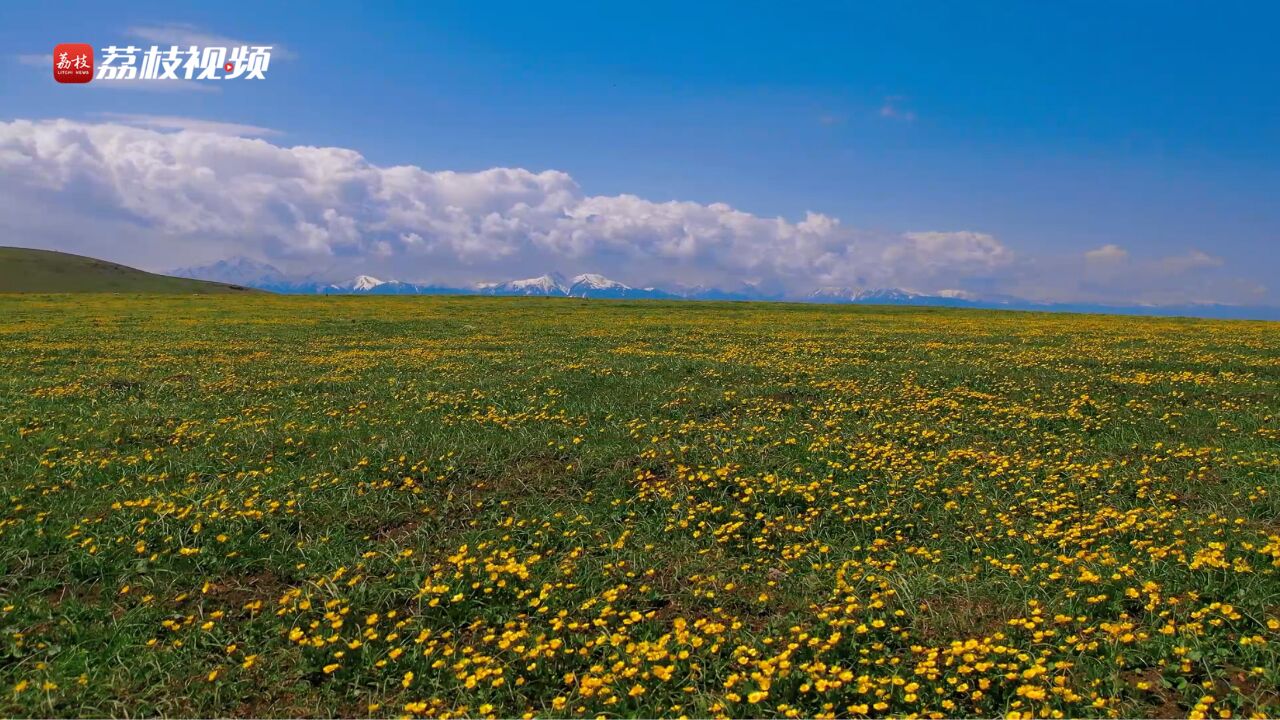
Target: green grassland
(24,270)
(431,506)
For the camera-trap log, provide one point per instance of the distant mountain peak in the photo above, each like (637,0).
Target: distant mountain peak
(832,292)
(866,295)
(596,281)
(549,284)
(247,272)
(365,282)
(238,270)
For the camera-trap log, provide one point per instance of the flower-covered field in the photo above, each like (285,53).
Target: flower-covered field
(289,506)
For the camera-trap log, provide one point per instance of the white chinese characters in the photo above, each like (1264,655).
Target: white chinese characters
(67,61)
(190,63)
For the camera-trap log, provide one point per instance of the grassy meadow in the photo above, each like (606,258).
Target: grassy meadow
(312,506)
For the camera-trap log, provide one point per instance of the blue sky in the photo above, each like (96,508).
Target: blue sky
(1057,129)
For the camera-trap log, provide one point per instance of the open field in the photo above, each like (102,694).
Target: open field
(263,505)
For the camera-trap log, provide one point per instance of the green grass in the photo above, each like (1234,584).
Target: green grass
(25,270)
(572,508)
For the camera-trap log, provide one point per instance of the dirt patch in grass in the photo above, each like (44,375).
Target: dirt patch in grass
(235,594)
(1161,702)
(956,617)
(398,530)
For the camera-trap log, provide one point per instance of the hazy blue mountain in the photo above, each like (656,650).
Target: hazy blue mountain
(251,273)
(237,271)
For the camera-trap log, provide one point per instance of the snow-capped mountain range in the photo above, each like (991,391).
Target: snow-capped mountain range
(251,273)
(587,285)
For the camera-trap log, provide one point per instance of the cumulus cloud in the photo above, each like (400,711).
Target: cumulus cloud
(216,195)
(162,199)
(968,253)
(1107,254)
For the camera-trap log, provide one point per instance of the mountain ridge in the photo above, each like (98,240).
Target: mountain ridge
(595,285)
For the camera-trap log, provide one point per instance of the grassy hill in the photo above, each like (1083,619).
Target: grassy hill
(24,270)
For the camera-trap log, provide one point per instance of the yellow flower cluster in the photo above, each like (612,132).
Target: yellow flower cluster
(457,507)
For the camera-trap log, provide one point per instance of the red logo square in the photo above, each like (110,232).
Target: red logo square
(73,63)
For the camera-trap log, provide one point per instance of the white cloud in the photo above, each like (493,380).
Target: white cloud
(1192,260)
(205,192)
(37,60)
(1107,254)
(894,110)
(977,253)
(156,85)
(187,34)
(1112,275)
(174,122)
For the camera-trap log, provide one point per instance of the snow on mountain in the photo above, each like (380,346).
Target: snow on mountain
(898,296)
(369,285)
(549,284)
(832,294)
(745,291)
(871,296)
(957,294)
(365,283)
(251,273)
(586,285)
(593,281)
(885,295)
(592,285)
(237,270)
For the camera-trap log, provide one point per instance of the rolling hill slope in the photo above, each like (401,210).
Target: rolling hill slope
(24,270)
